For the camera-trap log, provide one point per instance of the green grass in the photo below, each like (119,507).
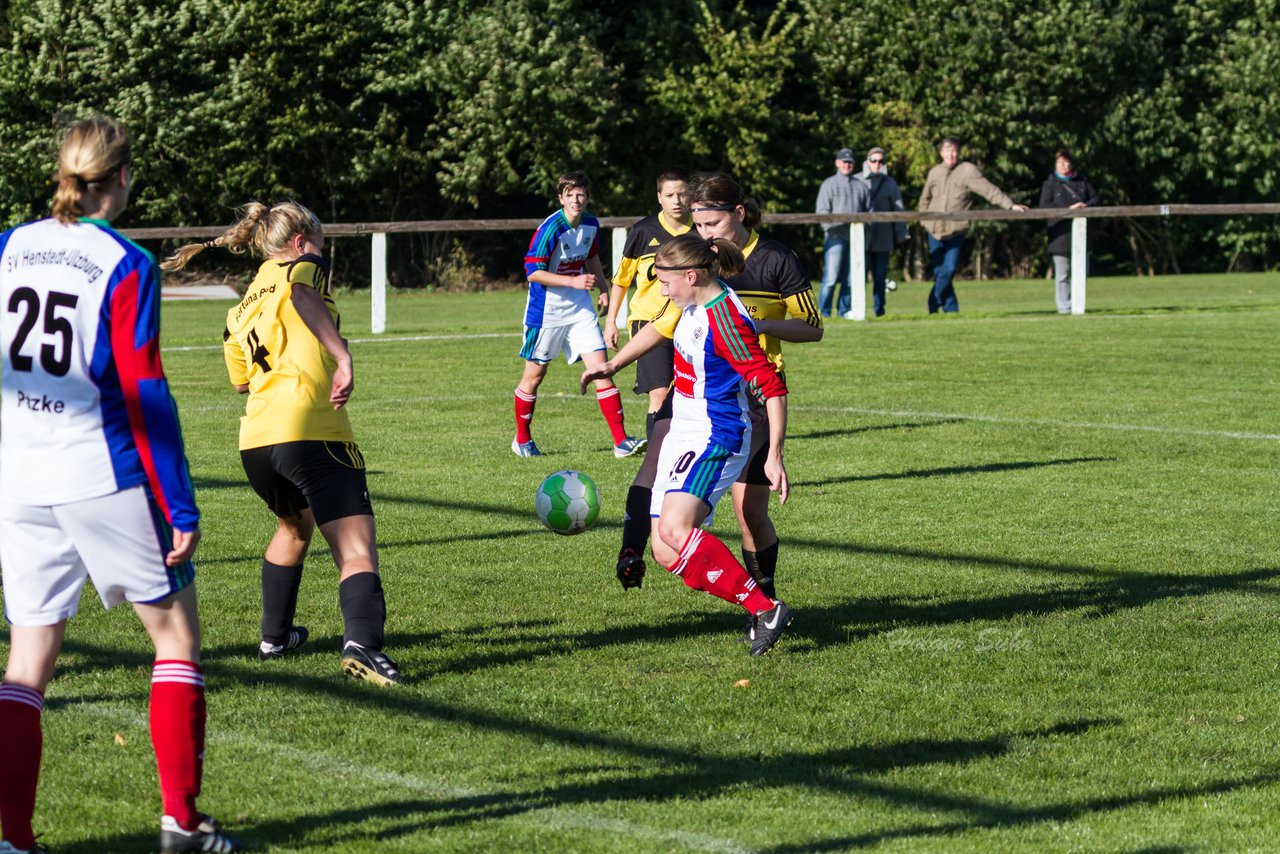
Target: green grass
(1034,561)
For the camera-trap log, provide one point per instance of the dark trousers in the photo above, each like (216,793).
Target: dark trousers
(945,256)
(878,264)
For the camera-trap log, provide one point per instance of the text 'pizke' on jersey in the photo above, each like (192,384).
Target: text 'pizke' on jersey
(86,407)
(289,373)
(718,364)
(560,248)
(774,286)
(644,240)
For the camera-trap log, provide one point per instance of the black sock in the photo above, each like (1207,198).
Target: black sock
(279,600)
(761,566)
(364,609)
(636,524)
(649,421)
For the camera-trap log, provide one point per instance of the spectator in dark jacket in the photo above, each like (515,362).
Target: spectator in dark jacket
(883,196)
(1065,188)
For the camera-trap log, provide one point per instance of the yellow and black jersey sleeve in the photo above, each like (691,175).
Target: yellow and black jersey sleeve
(773,285)
(233,355)
(803,306)
(667,319)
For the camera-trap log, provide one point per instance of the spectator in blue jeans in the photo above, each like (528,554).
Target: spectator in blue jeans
(883,196)
(950,187)
(843,192)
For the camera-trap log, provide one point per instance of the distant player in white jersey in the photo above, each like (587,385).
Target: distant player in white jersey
(93,478)
(563,266)
(718,363)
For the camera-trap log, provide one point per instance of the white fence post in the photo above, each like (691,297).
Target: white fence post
(858,270)
(1079,263)
(619,242)
(378,283)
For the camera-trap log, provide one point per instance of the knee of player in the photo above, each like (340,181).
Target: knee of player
(673,533)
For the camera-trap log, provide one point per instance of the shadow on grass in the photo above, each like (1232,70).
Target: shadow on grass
(855,772)
(853,431)
(850,771)
(954,470)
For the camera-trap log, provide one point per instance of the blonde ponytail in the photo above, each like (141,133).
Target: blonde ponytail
(258,230)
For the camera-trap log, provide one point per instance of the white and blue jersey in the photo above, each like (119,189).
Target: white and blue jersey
(718,363)
(85,407)
(560,248)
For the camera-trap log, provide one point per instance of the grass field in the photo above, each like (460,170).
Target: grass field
(1034,559)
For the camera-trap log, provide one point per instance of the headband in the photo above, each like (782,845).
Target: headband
(710,208)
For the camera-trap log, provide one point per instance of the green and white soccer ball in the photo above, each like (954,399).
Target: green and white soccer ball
(568,502)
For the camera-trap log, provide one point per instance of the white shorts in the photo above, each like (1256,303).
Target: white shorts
(543,344)
(690,462)
(119,540)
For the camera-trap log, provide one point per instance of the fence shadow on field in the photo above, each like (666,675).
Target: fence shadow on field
(945,471)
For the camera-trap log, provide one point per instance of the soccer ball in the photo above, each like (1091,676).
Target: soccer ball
(568,502)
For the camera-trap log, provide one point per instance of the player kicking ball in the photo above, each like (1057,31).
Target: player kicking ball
(563,266)
(718,361)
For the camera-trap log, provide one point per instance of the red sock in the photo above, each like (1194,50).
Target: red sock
(611,408)
(177,733)
(524,415)
(705,563)
(20,744)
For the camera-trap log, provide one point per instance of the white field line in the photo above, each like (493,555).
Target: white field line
(1042,422)
(553,817)
(382,339)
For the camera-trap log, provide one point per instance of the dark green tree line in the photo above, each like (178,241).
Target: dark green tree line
(391,109)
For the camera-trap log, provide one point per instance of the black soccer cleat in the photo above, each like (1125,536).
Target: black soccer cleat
(749,633)
(369,665)
(631,568)
(206,837)
(297,637)
(769,627)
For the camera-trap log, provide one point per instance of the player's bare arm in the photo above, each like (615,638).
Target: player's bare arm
(773,467)
(616,295)
(580,282)
(315,314)
(644,341)
(594,268)
(793,329)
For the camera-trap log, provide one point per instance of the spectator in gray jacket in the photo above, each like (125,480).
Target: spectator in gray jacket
(1065,188)
(843,192)
(883,196)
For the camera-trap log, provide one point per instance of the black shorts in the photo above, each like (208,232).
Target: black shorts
(653,369)
(328,477)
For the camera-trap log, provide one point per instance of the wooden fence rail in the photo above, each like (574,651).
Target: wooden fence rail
(378,232)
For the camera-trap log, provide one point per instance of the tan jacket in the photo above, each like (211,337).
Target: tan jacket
(950,190)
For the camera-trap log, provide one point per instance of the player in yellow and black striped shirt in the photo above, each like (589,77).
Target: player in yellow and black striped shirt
(283,349)
(653,370)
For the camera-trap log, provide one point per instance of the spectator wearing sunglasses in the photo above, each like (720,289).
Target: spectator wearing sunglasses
(883,196)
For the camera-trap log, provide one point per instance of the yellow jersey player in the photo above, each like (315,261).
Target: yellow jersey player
(283,349)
